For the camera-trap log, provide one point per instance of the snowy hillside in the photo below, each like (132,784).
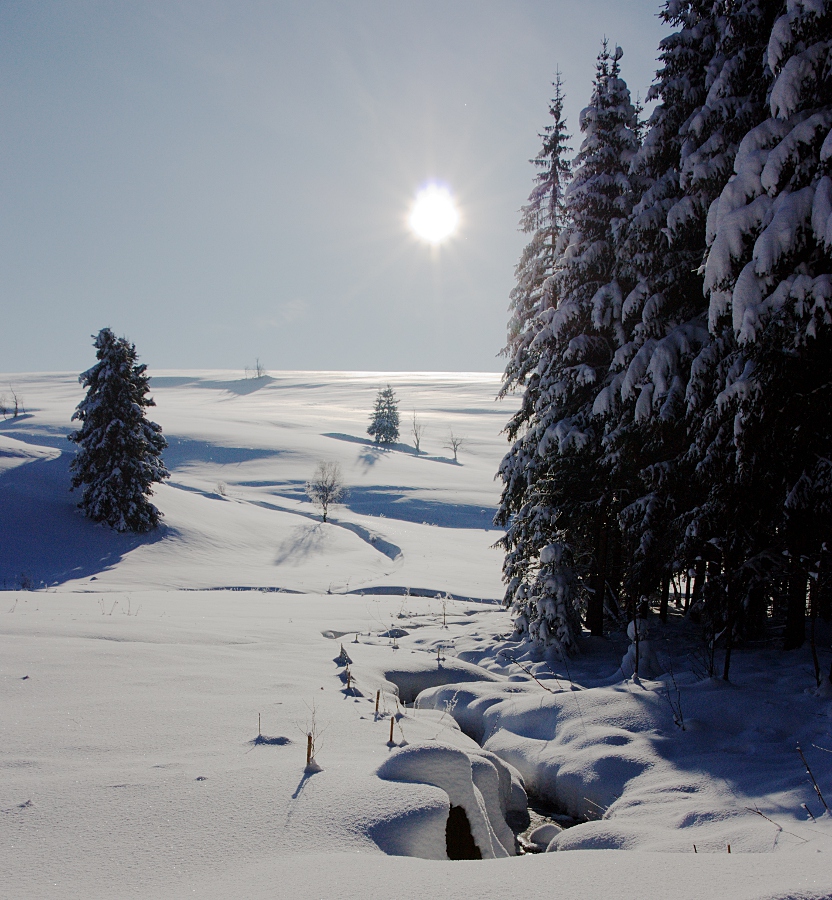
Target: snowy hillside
(236,515)
(157,691)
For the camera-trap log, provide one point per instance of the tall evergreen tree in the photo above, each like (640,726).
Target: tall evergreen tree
(662,313)
(769,280)
(556,501)
(711,91)
(119,451)
(543,218)
(384,421)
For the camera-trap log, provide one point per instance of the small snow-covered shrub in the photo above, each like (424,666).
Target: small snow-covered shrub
(547,610)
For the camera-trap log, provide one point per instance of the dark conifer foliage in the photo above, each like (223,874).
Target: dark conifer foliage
(768,277)
(543,217)
(119,451)
(676,363)
(384,421)
(556,499)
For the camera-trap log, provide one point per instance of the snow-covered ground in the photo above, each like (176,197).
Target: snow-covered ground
(157,692)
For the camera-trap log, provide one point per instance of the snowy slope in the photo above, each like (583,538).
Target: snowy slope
(235,511)
(132,681)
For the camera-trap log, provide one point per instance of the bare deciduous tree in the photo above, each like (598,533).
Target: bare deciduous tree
(259,370)
(325,487)
(19,408)
(417,429)
(455,444)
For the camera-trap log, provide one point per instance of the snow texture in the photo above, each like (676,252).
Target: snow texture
(134,678)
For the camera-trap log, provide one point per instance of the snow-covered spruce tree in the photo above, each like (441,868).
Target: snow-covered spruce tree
(384,422)
(711,91)
(119,451)
(662,313)
(543,218)
(723,523)
(769,281)
(556,503)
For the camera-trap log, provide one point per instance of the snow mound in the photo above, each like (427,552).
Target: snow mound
(650,765)
(471,782)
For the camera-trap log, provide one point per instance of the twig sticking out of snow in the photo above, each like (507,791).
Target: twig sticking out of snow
(814,782)
(780,829)
(675,703)
(527,670)
(597,806)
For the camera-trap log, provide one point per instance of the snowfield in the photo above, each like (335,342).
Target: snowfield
(157,691)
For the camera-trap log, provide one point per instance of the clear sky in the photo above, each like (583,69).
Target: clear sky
(223,180)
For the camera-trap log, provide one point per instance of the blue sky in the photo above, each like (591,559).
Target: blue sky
(224,181)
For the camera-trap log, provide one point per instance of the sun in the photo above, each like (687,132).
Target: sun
(434,216)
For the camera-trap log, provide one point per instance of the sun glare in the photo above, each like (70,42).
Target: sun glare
(434,216)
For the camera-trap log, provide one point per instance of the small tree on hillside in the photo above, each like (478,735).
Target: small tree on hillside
(384,422)
(455,444)
(120,451)
(326,486)
(417,430)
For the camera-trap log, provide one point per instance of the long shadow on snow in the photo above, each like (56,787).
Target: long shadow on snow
(39,435)
(240,386)
(183,451)
(179,452)
(42,534)
(302,541)
(373,452)
(394,502)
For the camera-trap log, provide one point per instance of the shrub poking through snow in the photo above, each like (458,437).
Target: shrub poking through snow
(120,451)
(384,422)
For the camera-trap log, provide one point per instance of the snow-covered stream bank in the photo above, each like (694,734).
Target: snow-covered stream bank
(132,684)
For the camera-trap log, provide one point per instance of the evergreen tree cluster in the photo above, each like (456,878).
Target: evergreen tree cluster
(670,337)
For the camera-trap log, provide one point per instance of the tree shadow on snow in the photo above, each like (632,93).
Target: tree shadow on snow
(241,386)
(301,543)
(183,451)
(370,456)
(391,502)
(39,435)
(45,538)
(397,503)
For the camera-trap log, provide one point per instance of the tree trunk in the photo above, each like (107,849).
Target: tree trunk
(665,596)
(731,612)
(698,581)
(813,613)
(598,584)
(824,590)
(795,610)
